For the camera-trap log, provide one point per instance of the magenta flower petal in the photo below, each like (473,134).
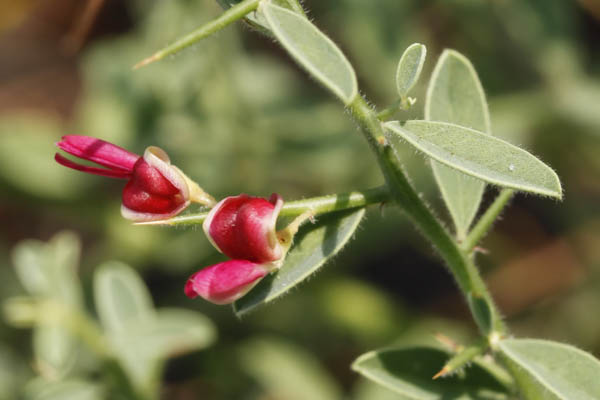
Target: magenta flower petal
(98,151)
(225,282)
(243,227)
(111,173)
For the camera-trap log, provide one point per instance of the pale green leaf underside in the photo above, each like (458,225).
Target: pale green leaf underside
(313,246)
(121,297)
(455,95)
(409,68)
(177,331)
(409,372)
(546,370)
(312,50)
(479,155)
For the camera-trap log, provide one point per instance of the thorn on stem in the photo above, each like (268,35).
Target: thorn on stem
(442,372)
(146,61)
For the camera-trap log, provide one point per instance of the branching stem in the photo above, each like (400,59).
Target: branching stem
(315,205)
(487,220)
(458,261)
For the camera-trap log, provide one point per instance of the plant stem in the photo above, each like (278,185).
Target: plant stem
(389,111)
(459,262)
(336,202)
(487,220)
(462,357)
(231,15)
(401,104)
(316,205)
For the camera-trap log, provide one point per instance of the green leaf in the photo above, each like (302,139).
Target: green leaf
(54,349)
(29,260)
(125,310)
(48,272)
(121,297)
(50,269)
(409,68)
(455,95)
(409,372)
(287,372)
(144,346)
(312,50)
(313,246)
(143,338)
(175,332)
(479,155)
(548,370)
(40,389)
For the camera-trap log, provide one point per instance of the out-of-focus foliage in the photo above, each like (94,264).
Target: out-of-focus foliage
(69,348)
(237,116)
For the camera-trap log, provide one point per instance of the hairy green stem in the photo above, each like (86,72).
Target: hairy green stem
(231,15)
(316,205)
(389,111)
(487,220)
(459,262)
(462,358)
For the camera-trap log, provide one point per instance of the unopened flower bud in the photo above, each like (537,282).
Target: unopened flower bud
(243,228)
(225,282)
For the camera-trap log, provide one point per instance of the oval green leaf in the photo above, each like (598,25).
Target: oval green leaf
(121,297)
(143,346)
(455,95)
(54,349)
(409,371)
(312,50)
(49,269)
(409,68)
(479,155)
(177,331)
(551,371)
(313,246)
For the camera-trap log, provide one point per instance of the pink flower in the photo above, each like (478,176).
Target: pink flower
(225,282)
(243,228)
(155,189)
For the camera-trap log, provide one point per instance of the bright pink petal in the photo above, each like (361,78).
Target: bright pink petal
(243,227)
(98,151)
(225,282)
(111,173)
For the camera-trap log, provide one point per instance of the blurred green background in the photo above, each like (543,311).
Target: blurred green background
(238,116)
